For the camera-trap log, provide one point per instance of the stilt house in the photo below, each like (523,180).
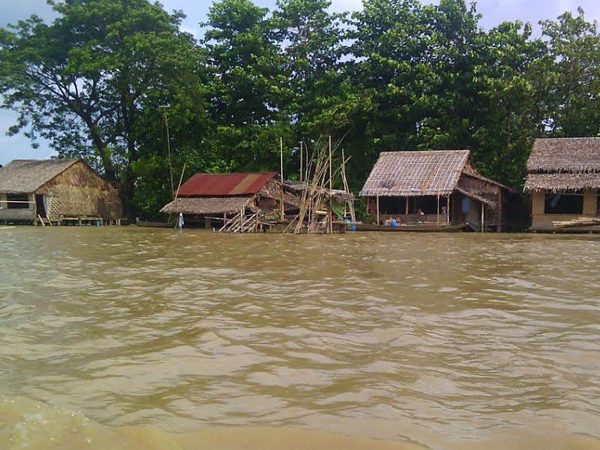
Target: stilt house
(433,189)
(56,190)
(214,197)
(563,179)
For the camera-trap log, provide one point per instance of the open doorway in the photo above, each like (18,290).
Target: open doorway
(39,205)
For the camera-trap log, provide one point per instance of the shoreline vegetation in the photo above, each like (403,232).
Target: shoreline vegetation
(119,84)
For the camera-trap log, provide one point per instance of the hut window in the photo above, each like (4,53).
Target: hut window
(564,203)
(17,201)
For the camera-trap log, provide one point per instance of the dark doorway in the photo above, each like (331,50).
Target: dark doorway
(39,205)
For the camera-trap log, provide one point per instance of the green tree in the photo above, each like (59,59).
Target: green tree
(508,113)
(247,87)
(310,40)
(92,80)
(573,87)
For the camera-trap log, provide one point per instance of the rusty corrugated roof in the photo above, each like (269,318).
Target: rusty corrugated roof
(224,184)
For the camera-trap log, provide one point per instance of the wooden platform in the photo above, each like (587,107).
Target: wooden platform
(80,221)
(417,227)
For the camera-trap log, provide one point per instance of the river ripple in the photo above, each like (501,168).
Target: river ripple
(431,338)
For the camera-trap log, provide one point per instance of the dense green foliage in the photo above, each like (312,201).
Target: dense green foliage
(100,80)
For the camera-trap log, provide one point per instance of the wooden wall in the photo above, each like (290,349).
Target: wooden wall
(79,191)
(488,191)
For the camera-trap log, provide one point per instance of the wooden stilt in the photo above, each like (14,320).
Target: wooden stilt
(407,199)
(448,209)
(377,202)
(438,209)
(482,217)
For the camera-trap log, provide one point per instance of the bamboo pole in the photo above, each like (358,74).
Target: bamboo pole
(330,189)
(448,211)
(282,216)
(178,187)
(301,157)
(180,180)
(169,149)
(438,209)
(349,203)
(377,202)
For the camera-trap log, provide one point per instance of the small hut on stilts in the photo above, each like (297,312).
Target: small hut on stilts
(564,181)
(431,191)
(235,202)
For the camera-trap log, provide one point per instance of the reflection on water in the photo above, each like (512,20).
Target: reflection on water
(441,339)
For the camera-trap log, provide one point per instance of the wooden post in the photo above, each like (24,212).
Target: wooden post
(344,180)
(438,209)
(377,202)
(282,215)
(448,209)
(330,189)
(499,210)
(406,205)
(482,217)
(301,157)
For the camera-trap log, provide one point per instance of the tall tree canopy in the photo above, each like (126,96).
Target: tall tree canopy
(92,80)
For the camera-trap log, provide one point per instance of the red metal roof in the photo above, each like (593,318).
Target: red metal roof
(225,183)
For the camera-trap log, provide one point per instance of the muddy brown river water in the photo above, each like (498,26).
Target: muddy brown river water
(132,338)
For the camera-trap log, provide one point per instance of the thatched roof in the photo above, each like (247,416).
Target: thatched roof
(26,176)
(564,181)
(416,173)
(564,164)
(565,155)
(207,205)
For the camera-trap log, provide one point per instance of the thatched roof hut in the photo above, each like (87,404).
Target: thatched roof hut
(563,178)
(418,186)
(414,174)
(564,164)
(56,190)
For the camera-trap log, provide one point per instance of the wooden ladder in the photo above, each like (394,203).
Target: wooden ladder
(240,223)
(47,219)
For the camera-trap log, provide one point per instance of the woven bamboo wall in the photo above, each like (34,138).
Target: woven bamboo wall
(82,192)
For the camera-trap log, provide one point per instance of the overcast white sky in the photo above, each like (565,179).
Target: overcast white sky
(493,11)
